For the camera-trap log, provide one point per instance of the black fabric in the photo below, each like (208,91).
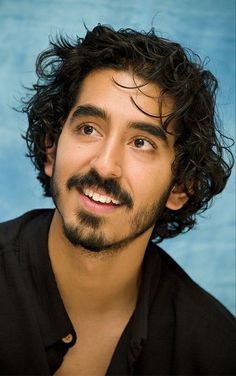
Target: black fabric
(177,328)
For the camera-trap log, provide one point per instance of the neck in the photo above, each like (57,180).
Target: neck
(95,283)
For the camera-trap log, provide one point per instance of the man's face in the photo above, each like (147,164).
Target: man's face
(111,176)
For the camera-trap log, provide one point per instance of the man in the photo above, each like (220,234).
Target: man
(123,134)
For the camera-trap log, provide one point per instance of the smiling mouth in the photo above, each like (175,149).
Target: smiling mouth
(100,198)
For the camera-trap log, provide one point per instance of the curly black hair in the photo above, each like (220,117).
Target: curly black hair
(203,161)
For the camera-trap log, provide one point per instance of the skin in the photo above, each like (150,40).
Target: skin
(103,287)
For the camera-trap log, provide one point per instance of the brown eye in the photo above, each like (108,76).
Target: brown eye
(139,143)
(143,144)
(88,132)
(88,129)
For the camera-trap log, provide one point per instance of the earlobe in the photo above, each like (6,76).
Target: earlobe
(177,198)
(50,153)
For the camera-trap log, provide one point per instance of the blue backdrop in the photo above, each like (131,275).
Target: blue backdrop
(206,26)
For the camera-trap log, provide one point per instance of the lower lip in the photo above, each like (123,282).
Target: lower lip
(97,207)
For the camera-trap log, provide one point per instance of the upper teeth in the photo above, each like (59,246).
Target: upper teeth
(100,198)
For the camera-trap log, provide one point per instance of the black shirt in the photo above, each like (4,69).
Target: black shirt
(176,329)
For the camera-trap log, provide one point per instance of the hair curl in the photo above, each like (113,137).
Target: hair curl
(200,147)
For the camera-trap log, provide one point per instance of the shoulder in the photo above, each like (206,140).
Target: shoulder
(186,296)
(10,230)
(200,329)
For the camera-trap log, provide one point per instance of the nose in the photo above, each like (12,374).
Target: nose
(108,160)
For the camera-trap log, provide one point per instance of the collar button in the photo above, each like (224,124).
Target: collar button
(68,338)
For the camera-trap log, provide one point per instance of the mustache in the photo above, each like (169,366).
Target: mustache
(109,186)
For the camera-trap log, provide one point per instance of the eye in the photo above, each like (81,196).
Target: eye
(143,144)
(87,130)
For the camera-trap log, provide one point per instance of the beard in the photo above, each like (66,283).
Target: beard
(87,232)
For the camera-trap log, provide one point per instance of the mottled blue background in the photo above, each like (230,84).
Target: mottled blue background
(206,26)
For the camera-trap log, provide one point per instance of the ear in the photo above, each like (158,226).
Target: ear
(177,198)
(50,153)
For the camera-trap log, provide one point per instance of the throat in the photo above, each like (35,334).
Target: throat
(91,296)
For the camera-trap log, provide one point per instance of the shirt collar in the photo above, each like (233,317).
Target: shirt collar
(150,278)
(53,319)
(136,332)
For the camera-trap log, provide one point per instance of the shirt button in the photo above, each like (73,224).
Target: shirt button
(68,338)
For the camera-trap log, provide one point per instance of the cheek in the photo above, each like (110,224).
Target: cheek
(72,158)
(150,182)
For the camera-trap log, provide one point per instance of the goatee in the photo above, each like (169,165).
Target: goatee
(88,231)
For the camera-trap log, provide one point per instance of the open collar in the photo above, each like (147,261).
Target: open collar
(54,323)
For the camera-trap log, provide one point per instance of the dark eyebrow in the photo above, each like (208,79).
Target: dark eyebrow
(88,110)
(154,130)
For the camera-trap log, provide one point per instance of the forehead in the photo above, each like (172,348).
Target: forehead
(124,92)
